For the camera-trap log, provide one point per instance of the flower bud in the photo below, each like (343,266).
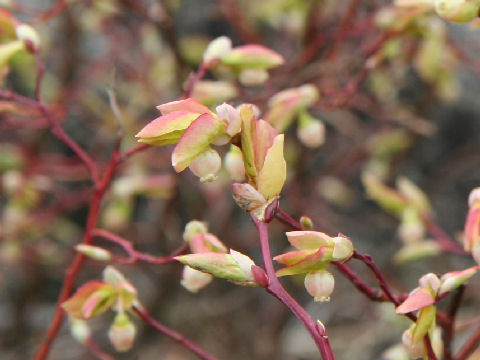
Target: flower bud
(79,329)
(415,351)
(253,77)
(193,228)
(194,280)
(342,249)
(430,281)
(307,223)
(231,116)
(320,285)
(457,11)
(217,49)
(206,165)
(94,252)
(234,163)
(28,35)
(122,332)
(311,132)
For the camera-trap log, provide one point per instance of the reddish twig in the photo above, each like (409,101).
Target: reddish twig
(134,255)
(96,351)
(470,346)
(276,289)
(443,239)
(450,324)
(145,316)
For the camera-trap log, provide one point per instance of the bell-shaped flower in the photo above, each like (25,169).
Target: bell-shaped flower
(234,163)
(310,131)
(320,285)
(122,332)
(287,104)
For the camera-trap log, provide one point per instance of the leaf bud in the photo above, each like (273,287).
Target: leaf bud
(193,228)
(217,49)
(94,252)
(29,36)
(307,223)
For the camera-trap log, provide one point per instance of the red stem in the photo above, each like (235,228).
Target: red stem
(276,289)
(134,255)
(145,316)
(469,346)
(79,259)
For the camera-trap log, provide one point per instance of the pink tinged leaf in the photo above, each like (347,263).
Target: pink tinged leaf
(452,280)
(305,240)
(253,56)
(217,264)
(74,304)
(167,129)
(195,140)
(424,324)
(472,228)
(274,171)
(190,105)
(417,299)
(264,136)
(98,302)
(294,257)
(312,262)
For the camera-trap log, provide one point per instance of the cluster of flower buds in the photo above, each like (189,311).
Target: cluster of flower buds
(472,225)
(411,206)
(249,62)
(315,251)
(16,36)
(95,297)
(423,299)
(211,258)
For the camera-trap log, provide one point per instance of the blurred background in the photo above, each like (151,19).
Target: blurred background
(411,112)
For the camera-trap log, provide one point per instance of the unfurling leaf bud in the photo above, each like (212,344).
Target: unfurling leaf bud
(94,252)
(307,223)
(253,77)
(342,249)
(194,280)
(217,49)
(122,332)
(231,117)
(457,11)
(311,132)
(79,329)
(320,285)
(452,280)
(193,228)
(28,35)
(206,165)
